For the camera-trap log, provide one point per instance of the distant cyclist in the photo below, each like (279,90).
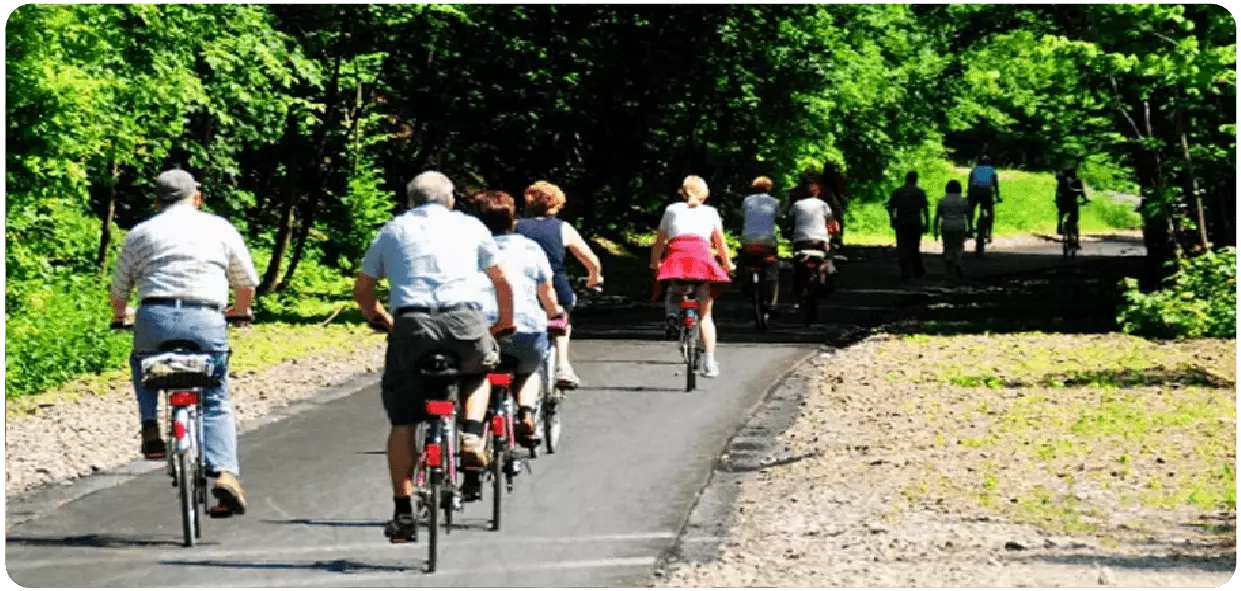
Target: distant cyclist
(543,203)
(1070,196)
(984,191)
(183,262)
(438,263)
(534,301)
(688,232)
(810,217)
(758,231)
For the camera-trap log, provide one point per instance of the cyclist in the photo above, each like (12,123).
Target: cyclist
(183,262)
(810,217)
(534,301)
(1070,196)
(438,263)
(950,215)
(688,231)
(758,232)
(909,217)
(544,201)
(984,191)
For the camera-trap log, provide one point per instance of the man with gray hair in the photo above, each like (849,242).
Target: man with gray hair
(183,262)
(437,262)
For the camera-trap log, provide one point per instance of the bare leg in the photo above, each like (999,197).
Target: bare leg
(476,401)
(705,305)
(401,460)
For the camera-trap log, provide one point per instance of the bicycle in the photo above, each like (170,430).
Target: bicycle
(807,268)
(179,372)
(436,475)
(500,439)
(755,260)
(689,330)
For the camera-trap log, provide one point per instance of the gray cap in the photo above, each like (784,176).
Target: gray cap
(175,185)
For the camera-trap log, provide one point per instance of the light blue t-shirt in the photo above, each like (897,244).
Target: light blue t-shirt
(527,267)
(982,176)
(433,256)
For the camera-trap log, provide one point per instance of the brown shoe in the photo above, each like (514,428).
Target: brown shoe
(473,451)
(232,499)
(152,441)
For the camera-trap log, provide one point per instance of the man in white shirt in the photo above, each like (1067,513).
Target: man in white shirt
(758,236)
(439,264)
(183,262)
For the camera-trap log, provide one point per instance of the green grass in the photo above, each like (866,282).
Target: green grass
(1028,207)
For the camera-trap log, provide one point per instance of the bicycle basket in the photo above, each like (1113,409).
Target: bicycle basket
(179,370)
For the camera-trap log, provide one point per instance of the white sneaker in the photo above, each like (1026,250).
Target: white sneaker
(710,369)
(566,378)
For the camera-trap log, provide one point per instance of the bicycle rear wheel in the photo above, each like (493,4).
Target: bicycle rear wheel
(186,480)
(691,357)
(433,522)
(497,484)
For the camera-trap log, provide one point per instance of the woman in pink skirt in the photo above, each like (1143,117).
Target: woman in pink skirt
(682,253)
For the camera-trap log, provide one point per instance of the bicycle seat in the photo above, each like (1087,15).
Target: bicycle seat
(811,253)
(171,370)
(439,364)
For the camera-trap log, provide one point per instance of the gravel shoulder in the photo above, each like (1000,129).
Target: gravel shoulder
(92,427)
(999,460)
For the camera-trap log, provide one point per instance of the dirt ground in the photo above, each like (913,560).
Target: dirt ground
(996,460)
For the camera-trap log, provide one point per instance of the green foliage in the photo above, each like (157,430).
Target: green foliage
(1199,300)
(62,334)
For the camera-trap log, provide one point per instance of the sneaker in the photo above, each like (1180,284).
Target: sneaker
(671,331)
(473,451)
(710,368)
(152,442)
(231,497)
(527,431)
(401,529)
(565,377)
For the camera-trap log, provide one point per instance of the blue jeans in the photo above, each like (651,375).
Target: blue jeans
(158,323)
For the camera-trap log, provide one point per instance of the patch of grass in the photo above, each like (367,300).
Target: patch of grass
(1029,206)
(254,348)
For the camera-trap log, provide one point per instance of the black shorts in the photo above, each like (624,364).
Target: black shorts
(981,196)
(463,334)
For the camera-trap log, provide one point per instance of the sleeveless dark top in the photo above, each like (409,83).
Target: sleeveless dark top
(546,232)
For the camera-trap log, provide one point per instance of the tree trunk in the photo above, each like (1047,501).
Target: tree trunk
(105,229)
(272,275)
(1191,185)
(299,246)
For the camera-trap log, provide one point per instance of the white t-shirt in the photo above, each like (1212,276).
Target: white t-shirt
(952,211)
(761,211)
(681,219)
(810,219)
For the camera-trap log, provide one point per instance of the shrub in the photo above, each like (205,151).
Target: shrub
(61,333)
(1199,300)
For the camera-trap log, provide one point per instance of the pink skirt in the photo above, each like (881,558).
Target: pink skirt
(688,258)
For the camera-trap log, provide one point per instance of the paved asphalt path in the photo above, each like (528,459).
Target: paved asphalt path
(637,450)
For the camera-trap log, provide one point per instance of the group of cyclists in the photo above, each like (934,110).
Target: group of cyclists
(481,286)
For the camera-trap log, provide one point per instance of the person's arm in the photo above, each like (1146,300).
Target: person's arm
(721,246)
(490,262)
(661,239)
(995,181)
(547,297)
(937,221)
(123,278)
(892,210)
(545,289)
(364,295)
(242,276)
(504,297)
(580,249)
(368,278)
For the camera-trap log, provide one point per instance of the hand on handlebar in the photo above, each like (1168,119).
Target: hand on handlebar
(380,322)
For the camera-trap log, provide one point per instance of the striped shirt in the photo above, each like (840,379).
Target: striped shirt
(183,253)
(433,256)
(527,267)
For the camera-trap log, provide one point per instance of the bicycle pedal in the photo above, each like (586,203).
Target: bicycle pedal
(219,512)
